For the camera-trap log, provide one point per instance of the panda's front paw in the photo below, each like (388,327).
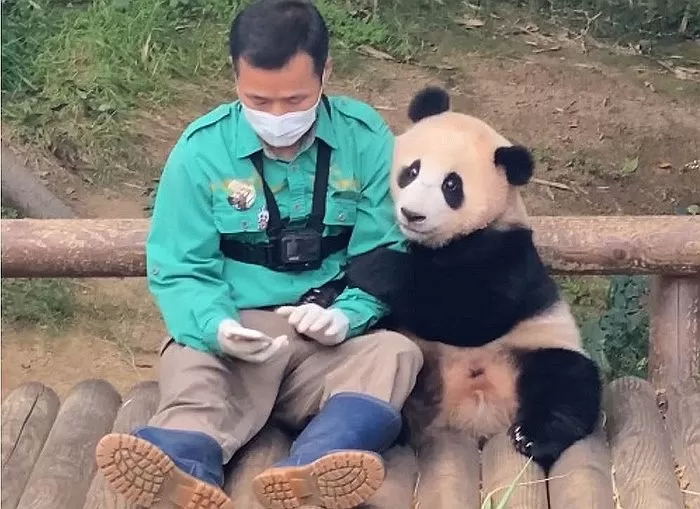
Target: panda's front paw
(520,440)
(543,442)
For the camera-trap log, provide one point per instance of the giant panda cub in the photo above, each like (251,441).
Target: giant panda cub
(502,350)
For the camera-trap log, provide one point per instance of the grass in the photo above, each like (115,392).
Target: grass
(46,303)
(72,73)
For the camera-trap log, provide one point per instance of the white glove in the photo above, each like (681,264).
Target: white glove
(327,326)
(247,344)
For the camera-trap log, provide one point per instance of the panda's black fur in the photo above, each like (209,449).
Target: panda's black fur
(428,102)
(472,291)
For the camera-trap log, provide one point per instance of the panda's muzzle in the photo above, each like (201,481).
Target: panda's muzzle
(412,217)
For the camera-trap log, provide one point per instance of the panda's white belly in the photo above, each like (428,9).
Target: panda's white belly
(466,389)
(478,389)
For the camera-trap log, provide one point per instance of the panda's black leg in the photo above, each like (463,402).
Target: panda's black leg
(559,399)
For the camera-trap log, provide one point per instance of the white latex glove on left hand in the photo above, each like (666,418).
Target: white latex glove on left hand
(327,326)
(249,345)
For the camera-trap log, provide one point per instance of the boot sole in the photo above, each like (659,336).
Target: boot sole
(340,480)
(144,475)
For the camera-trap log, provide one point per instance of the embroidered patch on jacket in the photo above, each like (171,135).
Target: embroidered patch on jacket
(241,194)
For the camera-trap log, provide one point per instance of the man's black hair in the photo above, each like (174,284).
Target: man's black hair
(268,33)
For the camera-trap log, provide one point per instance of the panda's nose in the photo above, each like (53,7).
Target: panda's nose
(412,217)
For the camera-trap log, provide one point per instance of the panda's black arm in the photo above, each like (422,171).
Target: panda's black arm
(559,402)
(385,274)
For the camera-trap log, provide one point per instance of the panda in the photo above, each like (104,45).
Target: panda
(502,351)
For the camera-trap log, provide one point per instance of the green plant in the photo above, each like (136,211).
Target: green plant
(37,302)
(619,338)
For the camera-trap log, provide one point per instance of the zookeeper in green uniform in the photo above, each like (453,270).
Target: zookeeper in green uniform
(261,204)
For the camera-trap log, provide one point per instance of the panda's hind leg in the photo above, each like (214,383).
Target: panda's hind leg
(559,399)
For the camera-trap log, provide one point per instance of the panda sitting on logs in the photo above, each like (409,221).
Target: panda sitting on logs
(502,350)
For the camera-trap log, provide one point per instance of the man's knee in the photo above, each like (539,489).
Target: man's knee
(390,344)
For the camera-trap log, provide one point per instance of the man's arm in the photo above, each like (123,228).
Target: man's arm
(374,229)
(182,255)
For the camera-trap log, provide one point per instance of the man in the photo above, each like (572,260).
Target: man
(261,323)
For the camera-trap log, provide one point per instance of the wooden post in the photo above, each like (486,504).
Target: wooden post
(674,331)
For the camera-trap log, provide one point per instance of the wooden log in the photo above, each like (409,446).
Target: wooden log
(641,448)
(65,468)
(569,245)
(397,490)
(28,413)
(580,479)
(681,411)
(26,193)
(268,446)
(449,472)
(139,404)
(674,330)
(500,466)
(73,248)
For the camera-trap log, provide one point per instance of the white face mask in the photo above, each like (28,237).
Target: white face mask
(281,130)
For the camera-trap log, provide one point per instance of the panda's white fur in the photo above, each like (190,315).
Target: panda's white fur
(502,350)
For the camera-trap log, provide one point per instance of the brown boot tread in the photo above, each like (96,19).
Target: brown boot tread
(145,475)
(341,480)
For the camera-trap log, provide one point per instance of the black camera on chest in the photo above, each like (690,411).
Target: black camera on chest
(296,250)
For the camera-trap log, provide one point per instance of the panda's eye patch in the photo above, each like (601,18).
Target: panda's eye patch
(409,173)
(452,190)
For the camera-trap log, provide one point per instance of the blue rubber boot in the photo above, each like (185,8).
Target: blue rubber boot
(335,461)
(155,464)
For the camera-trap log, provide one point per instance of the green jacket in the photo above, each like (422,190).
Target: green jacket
(195,286)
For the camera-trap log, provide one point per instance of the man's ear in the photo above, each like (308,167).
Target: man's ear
(327,70)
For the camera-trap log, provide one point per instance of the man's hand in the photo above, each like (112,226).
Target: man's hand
(327,326)
(247,344)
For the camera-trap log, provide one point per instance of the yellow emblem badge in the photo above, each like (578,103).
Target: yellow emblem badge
(241,195)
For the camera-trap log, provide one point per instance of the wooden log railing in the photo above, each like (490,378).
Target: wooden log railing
(644,455)
(667,247)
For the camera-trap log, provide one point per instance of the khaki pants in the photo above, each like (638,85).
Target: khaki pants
(231,400)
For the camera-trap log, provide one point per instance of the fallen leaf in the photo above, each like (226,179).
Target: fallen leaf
(470,22)
(685,73)
(630,166)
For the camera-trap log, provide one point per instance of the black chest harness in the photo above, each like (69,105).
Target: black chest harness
(292,247)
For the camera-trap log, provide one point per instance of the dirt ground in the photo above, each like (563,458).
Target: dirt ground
(611,135)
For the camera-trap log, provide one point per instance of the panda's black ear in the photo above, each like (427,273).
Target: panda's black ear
(517,162)
(428,102)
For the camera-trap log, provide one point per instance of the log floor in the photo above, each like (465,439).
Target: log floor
(646,455)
